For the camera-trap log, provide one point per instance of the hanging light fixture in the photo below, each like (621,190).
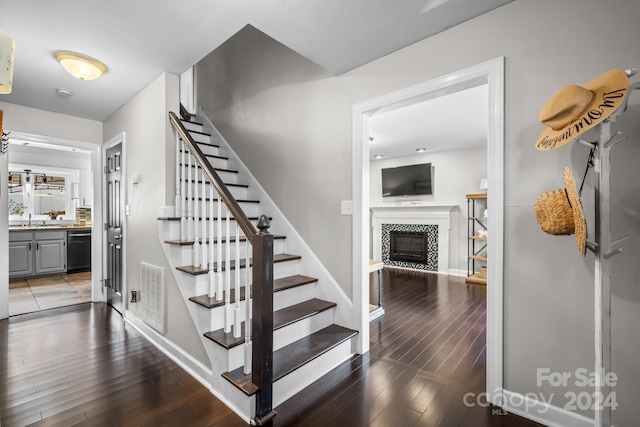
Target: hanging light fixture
(81,66)
(7,48)
(27,181)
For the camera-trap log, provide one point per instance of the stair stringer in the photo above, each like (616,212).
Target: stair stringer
(327,287)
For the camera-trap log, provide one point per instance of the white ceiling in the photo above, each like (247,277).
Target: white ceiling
(450,122)
(140,39)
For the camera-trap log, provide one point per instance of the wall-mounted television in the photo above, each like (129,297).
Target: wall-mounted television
(408,180)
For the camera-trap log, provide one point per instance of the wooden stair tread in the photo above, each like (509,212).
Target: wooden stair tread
(285,257)
(207,199)
(296,312)
(216,169)
(212,156)
(177,218)
(190,269)
(292,282)
(183,120)
(226,183)
(203,270)
(295,355)
(278,285)
(208,302)
(281,318)
(231,240)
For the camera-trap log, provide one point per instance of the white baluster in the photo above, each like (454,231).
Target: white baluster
(204,245)
(236,311)
(247,312)
(227,275)
(189,235)
(178,169)
(219,277)
(212,274)
(196,237)
(183,207)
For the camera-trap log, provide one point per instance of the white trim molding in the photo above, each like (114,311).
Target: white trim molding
(541,412)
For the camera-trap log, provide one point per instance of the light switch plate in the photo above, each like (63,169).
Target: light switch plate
(346,207)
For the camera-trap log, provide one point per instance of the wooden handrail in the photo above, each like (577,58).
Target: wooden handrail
(262,298)
(241,218)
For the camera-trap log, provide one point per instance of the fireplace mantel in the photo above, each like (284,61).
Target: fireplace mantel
(414,213)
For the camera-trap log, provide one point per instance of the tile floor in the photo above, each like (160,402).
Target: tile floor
(41,293)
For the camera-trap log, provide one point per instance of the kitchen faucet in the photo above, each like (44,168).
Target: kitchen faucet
(29,219)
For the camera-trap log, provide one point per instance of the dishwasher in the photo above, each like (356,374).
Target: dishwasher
(78,250)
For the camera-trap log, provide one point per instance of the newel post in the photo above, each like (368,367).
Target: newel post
(262,322)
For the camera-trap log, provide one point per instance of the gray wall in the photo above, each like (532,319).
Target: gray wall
(287,119)
(291,123)
(149,142)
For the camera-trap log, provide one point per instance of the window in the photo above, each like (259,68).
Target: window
(45,194)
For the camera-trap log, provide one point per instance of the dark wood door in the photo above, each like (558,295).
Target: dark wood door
(114,217)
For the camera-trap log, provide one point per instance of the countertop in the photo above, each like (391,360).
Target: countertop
(49,227)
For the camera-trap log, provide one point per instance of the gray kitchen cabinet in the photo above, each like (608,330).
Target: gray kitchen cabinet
(20,254)
(37,252)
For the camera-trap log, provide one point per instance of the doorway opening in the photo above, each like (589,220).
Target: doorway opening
(492,74)
(50,185)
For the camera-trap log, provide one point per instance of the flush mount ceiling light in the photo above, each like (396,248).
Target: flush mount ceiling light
(81,66)
(7,48)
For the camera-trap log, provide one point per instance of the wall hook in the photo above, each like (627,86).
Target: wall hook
(620,240)
(612,253)
(587,143)
(592,246)
(611,142)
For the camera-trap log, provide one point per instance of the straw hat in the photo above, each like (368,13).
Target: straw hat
(575,109)
(560,212)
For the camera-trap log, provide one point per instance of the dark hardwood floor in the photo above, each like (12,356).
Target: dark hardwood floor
(427,352)
(80,365)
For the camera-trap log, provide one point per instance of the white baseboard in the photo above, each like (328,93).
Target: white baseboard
(542,412)
(194,367)
(456,272)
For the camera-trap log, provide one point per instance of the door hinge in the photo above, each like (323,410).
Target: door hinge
(106,171)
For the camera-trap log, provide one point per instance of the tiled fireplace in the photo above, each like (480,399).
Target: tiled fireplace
(411,227)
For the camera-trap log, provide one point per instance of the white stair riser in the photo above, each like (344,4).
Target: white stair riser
(302,328)
(186,251)
(192,126)
(282,337)
(250,209)
(168,229)
(209,319)
(291,384)
(236,192)
(285,269)
(211,150)
(218,163)
(200,283)
(200,137)
(293,296)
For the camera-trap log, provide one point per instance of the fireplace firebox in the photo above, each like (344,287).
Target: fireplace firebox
(411,246)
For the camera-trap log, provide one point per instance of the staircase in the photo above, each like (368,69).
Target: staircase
(297,332)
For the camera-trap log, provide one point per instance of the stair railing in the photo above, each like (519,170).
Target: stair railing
(212,252)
